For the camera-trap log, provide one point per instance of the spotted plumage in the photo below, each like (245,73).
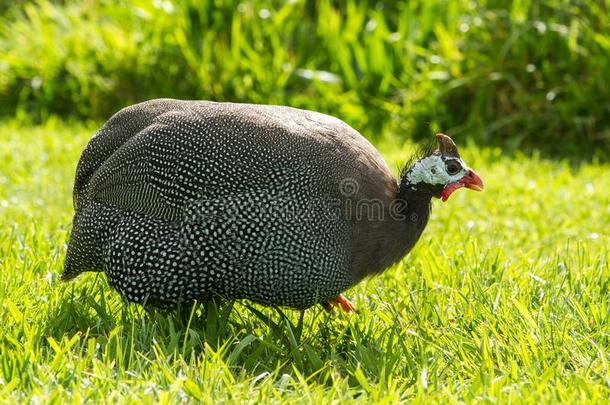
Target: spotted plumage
(184,200)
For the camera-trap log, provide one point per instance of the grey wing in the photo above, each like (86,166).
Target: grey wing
(119,129)
(185,155)
(152,173)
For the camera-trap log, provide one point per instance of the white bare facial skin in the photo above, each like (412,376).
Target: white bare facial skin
(432,170)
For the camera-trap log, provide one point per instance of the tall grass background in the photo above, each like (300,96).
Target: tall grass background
(521,75)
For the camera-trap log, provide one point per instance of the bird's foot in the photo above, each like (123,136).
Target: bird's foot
(341,302)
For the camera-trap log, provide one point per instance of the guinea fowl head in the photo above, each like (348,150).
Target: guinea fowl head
(439,173)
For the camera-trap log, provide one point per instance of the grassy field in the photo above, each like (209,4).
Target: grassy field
(506,297)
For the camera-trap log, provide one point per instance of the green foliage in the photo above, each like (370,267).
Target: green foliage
(519,74)
(505,298)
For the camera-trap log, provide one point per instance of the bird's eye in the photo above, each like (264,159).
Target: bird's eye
(452,167)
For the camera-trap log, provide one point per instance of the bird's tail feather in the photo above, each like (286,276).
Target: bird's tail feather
(87,246)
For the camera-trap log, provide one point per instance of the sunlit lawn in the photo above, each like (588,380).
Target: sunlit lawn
(506,297)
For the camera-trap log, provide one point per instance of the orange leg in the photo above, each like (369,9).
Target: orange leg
(341,302)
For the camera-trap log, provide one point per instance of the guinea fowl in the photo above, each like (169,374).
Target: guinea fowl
(179,201)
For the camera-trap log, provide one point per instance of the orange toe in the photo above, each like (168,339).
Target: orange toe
(342,302)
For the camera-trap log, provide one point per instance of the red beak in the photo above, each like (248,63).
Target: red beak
(470,180)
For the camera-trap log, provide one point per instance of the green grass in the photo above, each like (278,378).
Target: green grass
(516,74)
(505,298)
